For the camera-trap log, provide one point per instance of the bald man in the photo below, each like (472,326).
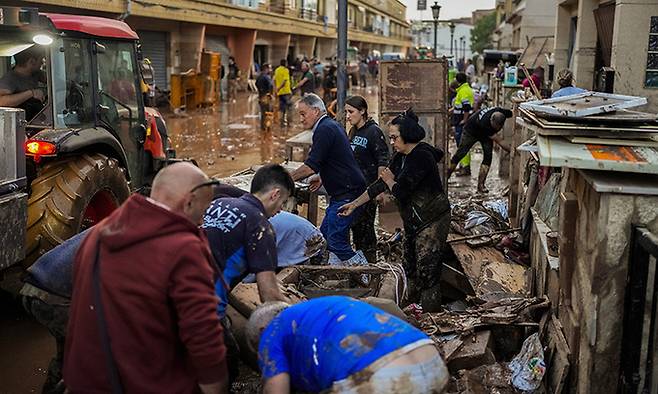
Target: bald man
(483,127)
(143,315)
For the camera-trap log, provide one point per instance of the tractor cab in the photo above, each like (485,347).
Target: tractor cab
(90,140)
(91,83)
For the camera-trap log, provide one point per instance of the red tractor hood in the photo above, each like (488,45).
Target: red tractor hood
(92,25)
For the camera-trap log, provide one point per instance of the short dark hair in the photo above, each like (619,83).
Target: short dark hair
(358,102)
(33,52)
(461,78)
(283,62)
(410,131)
(271,175)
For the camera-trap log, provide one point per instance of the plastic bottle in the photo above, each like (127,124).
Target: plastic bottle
(511,74)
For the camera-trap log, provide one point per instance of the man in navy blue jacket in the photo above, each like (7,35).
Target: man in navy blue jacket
(331,157)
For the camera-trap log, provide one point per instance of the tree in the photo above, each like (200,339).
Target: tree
(481,33)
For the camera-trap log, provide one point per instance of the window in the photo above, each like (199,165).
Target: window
(118,88)
(651,77)
(72,90)
(245,3)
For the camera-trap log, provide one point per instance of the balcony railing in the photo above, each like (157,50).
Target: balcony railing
(309,14)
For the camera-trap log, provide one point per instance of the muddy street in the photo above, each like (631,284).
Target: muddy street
(227,138)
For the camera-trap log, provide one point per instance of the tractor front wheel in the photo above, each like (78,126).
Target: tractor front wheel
(69,196)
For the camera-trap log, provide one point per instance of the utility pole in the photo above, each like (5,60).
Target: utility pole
(342,60)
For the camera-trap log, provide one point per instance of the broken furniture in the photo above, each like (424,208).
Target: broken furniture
(242,180)
(303,140)
(603,283)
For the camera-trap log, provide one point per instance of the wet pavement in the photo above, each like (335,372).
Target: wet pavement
(227,138)
(26,349)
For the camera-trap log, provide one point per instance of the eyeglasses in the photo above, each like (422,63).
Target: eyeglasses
(209,182)
(393,137)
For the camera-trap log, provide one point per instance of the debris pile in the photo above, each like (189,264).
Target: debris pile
(490,346)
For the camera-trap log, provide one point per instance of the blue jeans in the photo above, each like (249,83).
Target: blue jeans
(336,229)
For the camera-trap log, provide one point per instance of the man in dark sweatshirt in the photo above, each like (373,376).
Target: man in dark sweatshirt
(331,157)
(143,314)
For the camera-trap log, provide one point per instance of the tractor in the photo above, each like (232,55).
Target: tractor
(91,141)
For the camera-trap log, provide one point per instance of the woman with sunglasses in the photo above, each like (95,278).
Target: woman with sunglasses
(413,178)
(371,153)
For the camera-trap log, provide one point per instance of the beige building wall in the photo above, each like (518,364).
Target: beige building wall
(629,48)
(538,20)
(629,45)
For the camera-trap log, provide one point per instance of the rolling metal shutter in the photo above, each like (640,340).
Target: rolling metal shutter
(154,47)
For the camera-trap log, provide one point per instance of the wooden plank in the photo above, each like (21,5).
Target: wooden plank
(488,271)
(313,208)
(556,356)
(475,350)
(567,225)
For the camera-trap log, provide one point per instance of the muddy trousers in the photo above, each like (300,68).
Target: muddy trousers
(232,351)
(467,142)
(363,232)
(55,319)
(265,104)
(423,260)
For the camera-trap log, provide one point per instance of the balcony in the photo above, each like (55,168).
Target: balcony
(309,14)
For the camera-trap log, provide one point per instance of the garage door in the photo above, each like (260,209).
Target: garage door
(154,47)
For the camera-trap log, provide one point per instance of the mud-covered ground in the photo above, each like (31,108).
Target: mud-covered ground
(224,140)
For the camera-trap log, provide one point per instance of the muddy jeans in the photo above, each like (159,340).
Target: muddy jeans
(423,259)
(54,318)
(467,142)
(427,376)
(265,103)
(363,232)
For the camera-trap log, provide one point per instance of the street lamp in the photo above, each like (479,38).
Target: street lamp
(435,14)
(452,33)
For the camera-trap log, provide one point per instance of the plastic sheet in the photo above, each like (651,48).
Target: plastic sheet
(528,367)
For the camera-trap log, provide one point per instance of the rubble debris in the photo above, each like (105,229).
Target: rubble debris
(486,379)
(504,311)
(468,352)
(489,271)
(475,216)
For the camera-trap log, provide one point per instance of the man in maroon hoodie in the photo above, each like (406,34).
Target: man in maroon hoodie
(143,315)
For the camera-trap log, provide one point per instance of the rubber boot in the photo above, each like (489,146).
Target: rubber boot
(430,299)
(482,179)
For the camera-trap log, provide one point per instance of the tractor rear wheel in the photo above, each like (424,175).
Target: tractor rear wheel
(69,196)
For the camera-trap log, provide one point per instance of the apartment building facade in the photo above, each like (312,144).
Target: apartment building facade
(619,34)
(173,33)
(518,21)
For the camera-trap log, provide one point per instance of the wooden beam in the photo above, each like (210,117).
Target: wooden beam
(567,226)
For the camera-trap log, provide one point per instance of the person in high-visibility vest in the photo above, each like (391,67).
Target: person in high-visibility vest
(462,105)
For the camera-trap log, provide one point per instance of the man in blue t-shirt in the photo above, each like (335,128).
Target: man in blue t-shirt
(342,344)
(241,238)
(332,158)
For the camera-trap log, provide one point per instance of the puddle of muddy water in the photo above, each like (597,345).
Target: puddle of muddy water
(227,138)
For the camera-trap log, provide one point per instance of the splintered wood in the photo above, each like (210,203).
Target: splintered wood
(505,311)
(489,272)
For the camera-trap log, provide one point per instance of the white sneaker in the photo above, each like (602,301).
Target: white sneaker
(334,260)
